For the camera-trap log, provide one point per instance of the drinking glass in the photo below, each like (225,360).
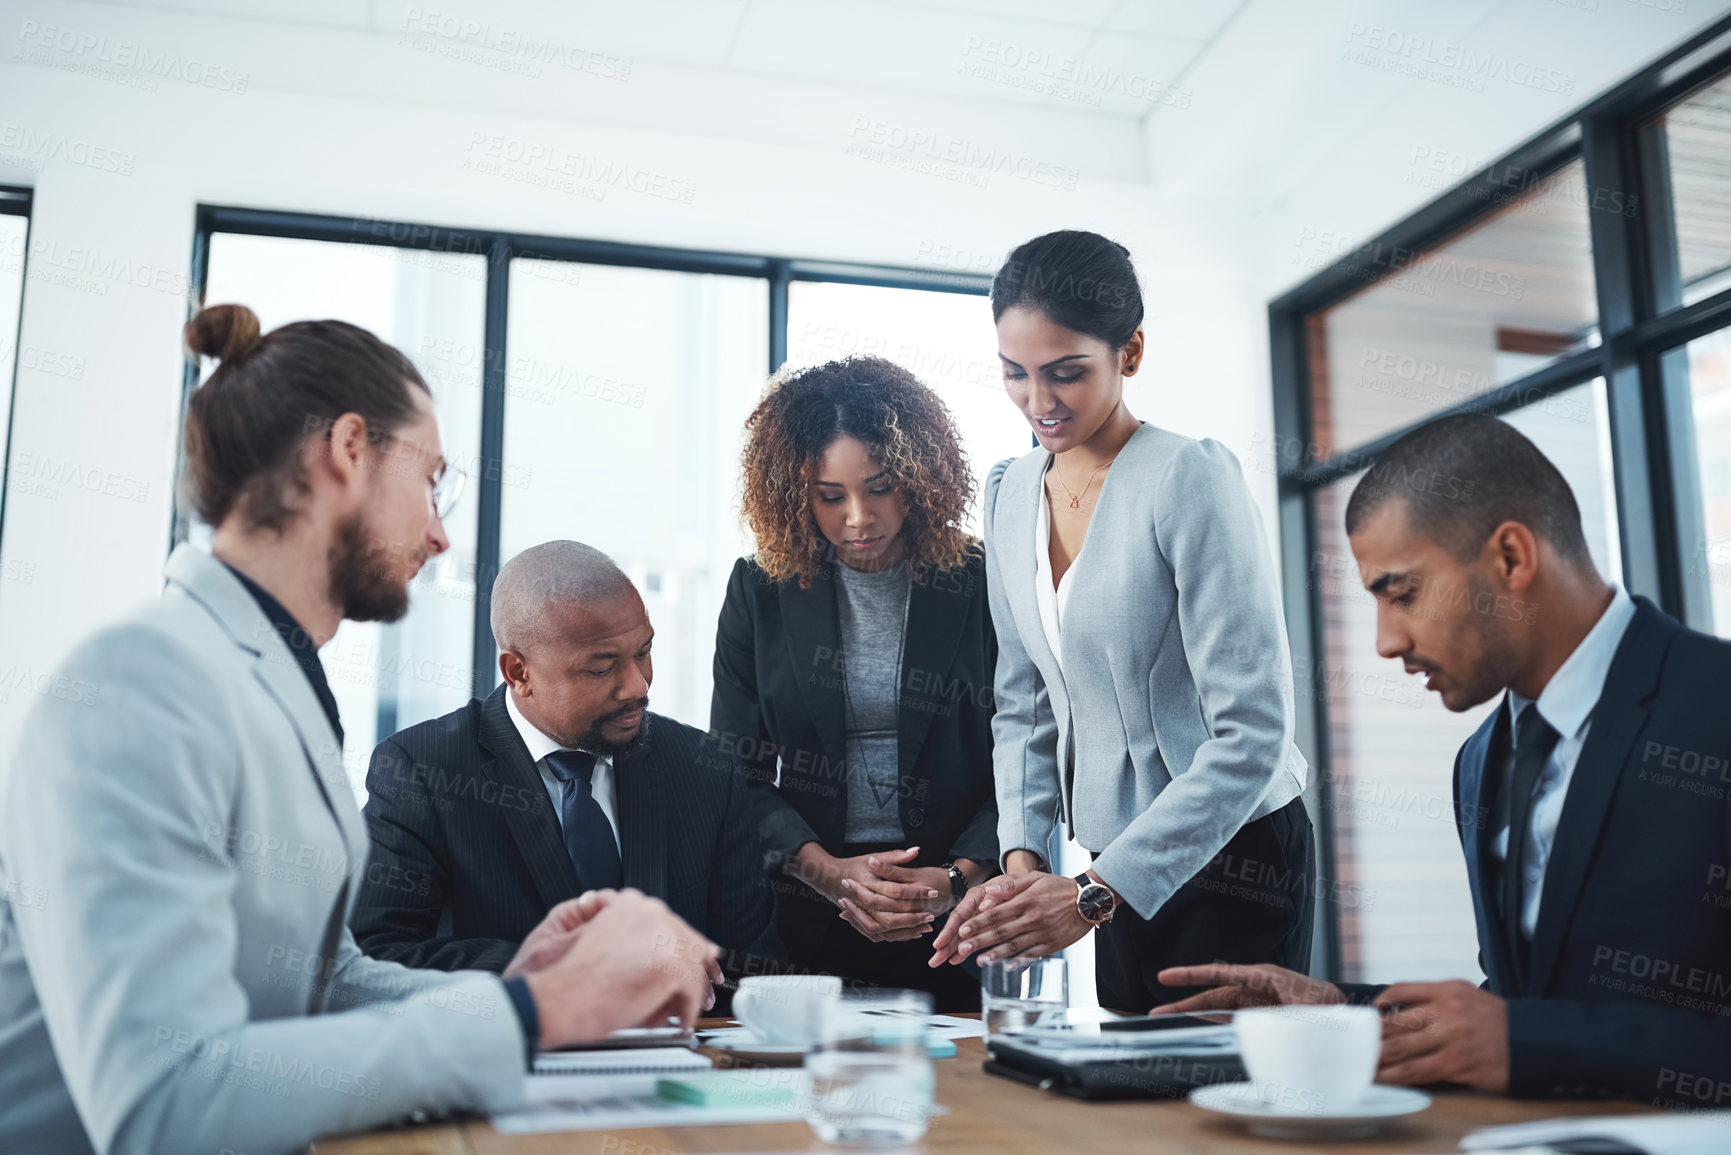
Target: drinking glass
(1019,993)
(871,1071)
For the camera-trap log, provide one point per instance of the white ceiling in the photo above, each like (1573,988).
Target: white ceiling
(1117,58)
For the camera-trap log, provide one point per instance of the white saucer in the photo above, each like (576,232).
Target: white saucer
(1348,1121)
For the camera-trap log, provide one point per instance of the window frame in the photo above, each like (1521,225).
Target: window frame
(500,248)
(15,201)
(1650,414)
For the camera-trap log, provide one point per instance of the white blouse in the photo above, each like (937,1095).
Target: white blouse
(1052,603)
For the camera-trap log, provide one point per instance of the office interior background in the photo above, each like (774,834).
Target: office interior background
(597,228)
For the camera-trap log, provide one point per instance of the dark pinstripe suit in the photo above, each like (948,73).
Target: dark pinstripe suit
(467,855)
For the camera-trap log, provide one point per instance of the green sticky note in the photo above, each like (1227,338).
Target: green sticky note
(726,1089)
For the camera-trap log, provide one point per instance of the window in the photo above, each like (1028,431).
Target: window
(1580,288)
(386,676)
(1692,142)
(945,339)
(592,391)
(1705,363)
(1406,912)
(14,239)
(625,394)
(1509,294)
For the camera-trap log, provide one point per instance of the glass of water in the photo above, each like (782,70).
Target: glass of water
(1019,993)
(871,1071)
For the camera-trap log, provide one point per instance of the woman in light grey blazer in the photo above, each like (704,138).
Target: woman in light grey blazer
(1144,688)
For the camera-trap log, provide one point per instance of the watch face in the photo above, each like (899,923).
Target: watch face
(1095,901)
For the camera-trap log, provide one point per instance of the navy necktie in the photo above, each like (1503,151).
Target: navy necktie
(588,834)
(1535,738)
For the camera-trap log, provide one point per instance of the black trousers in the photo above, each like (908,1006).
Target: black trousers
(1252,904)
(818,940)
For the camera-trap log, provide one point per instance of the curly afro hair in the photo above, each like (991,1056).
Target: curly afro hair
(900,421)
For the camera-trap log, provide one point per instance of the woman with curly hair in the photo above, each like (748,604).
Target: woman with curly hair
(855,654)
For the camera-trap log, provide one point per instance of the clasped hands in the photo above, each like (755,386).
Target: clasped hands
(609,959)
(1447,1032)
(880,895)
(1026,913)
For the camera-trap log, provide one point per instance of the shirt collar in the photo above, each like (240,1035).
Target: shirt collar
(300,646)
(1568,699)
(540,745)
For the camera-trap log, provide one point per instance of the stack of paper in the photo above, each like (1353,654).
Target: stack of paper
(1696,1133)
(638,1061)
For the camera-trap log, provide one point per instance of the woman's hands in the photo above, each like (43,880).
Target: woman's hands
(880,895)
(1031,913)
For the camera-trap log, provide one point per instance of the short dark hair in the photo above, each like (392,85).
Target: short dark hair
(1460,477)
(1080,280)
(245,425)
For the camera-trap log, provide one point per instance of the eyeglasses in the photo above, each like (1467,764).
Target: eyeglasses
(444,490)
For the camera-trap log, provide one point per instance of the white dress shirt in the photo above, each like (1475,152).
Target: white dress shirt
(1567,703)
(540,745)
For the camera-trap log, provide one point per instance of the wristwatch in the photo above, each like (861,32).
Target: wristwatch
(958,881)
(1094,902)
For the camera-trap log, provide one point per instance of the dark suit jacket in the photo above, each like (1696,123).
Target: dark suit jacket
(1630,991)
(467,854)
(778,699)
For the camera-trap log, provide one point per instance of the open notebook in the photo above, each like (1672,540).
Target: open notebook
(638,1061)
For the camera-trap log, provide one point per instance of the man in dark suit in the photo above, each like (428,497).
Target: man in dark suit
(1591,804)
(561,781)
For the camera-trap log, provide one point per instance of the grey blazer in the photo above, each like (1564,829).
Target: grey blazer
(181,849)
(1176,694)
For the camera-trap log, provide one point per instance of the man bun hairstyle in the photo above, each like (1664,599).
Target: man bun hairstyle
(247,424)
(1079,280)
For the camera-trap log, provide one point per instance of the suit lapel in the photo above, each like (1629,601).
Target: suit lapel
(1020,491)
(1477,777)
(813,629)
(536,831)
(1618,719)
(642,815)
(937,615)
(207,581)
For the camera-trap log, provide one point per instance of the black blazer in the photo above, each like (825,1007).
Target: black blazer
(1630,990)
(778,700)
(467,854)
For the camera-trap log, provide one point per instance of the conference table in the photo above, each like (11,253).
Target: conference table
(988,1115)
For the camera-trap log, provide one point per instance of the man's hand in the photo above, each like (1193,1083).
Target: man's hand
(1236,986)
(1449,1032)
(548,942)
(1030,914)
(634,963)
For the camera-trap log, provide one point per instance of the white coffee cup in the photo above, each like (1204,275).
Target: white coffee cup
(785,1010)
(1310,1059)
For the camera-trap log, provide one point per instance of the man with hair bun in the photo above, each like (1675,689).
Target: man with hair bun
(1592,804)
(188,982)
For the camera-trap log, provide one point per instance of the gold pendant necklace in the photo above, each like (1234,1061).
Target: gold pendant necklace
(1076,498)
